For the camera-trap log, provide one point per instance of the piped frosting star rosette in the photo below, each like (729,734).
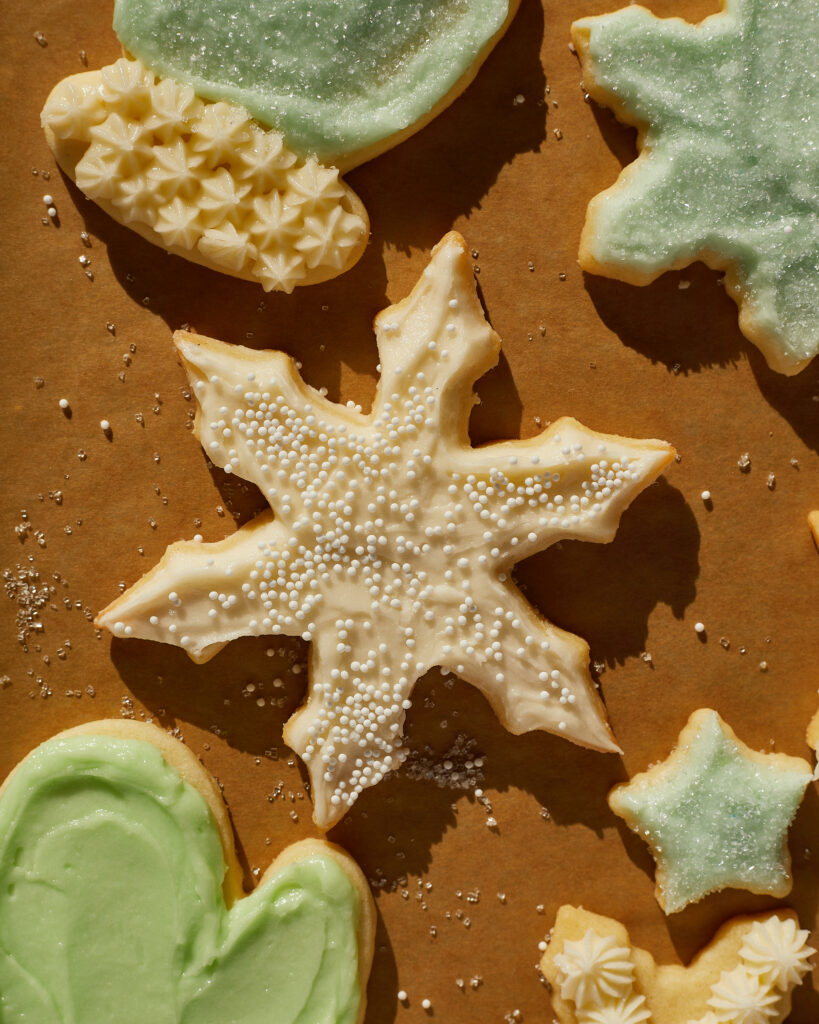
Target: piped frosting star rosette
(745,975)
(728,136)
(393,538)
(221,136)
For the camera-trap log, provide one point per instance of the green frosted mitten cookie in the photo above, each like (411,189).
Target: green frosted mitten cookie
(121,897)
(223,140)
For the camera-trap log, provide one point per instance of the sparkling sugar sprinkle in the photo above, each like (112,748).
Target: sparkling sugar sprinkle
(392,537)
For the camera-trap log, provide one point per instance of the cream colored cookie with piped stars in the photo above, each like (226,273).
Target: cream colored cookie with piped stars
(202,179)
(715,814)
(222,134)
(390,540)
(745,975)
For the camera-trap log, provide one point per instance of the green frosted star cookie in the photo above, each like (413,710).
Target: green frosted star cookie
(223,140)
(715,814)
(389,540)
(729,166)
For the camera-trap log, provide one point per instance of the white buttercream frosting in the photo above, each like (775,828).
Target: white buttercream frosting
(629,1009)
(778,951)
(741,997)
(594,969)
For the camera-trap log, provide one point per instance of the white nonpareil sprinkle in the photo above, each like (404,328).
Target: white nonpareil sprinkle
(63,403)
(426,1004)
(699,627)
(706,495)
(402,996)
(105,426)
(48,200)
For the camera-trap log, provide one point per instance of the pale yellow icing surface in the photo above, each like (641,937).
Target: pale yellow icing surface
(203,179)
(392,537)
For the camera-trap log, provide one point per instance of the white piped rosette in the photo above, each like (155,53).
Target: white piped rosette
(773,960)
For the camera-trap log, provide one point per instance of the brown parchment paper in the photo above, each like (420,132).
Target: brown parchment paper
(456,899)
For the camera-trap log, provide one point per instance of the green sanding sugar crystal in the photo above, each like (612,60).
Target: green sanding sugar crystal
(334,76)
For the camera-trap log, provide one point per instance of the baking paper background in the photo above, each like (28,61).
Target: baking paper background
(666,361)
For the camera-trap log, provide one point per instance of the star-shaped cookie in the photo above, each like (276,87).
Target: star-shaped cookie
(727,127)
(745,975)
(393,537)
(715,814)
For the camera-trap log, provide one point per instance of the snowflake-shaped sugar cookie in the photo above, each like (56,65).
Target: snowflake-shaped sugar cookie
(726,112)
(392,538)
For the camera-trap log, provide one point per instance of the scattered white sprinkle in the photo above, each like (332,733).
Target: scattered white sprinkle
(699,627)
(64,403)
(706,495)
(402,996)
(105,426)
(426,1004)
(48,199)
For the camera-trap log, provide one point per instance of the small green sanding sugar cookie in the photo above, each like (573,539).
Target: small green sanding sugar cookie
(342,80)
(728,173)
(715,814)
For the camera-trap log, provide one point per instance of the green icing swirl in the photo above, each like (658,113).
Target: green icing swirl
(112,912)
(333,76)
